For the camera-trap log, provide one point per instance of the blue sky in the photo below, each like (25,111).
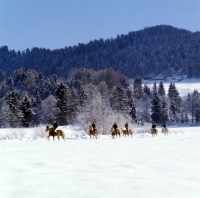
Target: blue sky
(58,23)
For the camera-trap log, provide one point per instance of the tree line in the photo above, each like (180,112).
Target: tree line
(157,50)
(29,98)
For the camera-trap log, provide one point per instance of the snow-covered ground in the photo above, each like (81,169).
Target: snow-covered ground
(141,166)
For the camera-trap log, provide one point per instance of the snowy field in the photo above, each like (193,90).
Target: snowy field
(141,166)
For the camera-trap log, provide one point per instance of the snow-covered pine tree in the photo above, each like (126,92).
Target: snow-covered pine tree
(173,112)
(5,113)
(27,113)
(36,104)
(131,105)
(155,88)
(156,108)
(124,83)
(164,110)
(14,101)
(105,104)
(161,89)
(119,101)
(145,109)
(63,97)
(137,88)
(175,103)
(74,105)
(171,91)
(147,91)
(49,109)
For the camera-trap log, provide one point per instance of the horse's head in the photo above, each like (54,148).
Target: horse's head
(47,128)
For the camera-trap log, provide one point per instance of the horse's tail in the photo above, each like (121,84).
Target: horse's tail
(63,134)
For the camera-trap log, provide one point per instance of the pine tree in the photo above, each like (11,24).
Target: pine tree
(63,96)
(137,88)
(105,104)
(13,100)
(27,113)
(164,111)
(147,91)
(74,105)
(119,102)
(36,104)
(171,91)
(131,105)
(5,113)
(156,108)
(161,89)
(173,111)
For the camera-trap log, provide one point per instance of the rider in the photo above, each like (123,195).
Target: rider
(115,126)
(55,125)
(126,126)
(164,126)
(154,125)
(93,126)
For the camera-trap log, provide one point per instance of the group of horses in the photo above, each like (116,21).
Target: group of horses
(154,131)
(94,132)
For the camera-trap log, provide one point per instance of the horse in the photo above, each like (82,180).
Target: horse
(165,130)
(154,131)
(58,133)
(93,132)
(125,132)
(115,132)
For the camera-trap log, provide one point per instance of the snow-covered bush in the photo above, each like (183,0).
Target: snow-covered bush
(39,132)
(17,134)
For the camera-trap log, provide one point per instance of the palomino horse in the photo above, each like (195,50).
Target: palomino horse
(115,132)
(154,131)
(57,133)
(125,132)
(93,132)
(165,130)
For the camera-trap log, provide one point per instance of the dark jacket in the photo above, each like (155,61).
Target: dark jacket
(55,125)
(93,126)
(115,126)
(153,126)
(126,125)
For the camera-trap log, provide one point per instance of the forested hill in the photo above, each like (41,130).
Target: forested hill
(160,49)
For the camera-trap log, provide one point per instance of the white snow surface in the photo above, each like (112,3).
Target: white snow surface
(142,166)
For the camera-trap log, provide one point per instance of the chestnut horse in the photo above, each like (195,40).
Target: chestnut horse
(93,132)
(154,131)
(115,132)
(57,133)
(125,132)
(165,130)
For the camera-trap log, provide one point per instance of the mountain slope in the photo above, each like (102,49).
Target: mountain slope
(151,50)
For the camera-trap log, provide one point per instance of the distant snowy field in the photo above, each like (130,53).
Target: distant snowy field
(141,166)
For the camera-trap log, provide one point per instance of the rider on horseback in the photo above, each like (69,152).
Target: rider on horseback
(154,125)
(115,126)
(126,126)
(55,125)
(164,126)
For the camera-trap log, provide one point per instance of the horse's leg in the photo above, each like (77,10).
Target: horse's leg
(58,137)
(48,137)
(53,137)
